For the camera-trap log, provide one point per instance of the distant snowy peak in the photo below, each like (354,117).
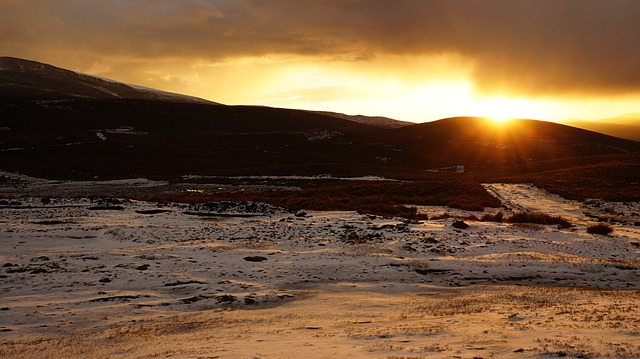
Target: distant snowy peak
(25,78)
(377,121)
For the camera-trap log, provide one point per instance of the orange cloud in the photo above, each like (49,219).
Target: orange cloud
(538,48)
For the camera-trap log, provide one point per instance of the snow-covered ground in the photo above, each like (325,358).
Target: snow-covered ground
(100,278)
(526,197)
(296,177)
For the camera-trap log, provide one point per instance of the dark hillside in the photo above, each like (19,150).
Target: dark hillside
(610,177)
(124,138)
(56,123)
(478,142)
(34,80)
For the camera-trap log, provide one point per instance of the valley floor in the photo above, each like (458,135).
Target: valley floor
(94,278)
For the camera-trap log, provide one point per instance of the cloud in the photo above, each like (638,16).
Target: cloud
(538,47)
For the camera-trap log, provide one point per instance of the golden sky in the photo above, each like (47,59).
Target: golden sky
(415,60)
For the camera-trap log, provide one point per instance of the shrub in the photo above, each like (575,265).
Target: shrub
(538,218)
(600,228)
(441,216)
(384,199)
(460,225)
(489,217)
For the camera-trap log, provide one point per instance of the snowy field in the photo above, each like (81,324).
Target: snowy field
(84,278)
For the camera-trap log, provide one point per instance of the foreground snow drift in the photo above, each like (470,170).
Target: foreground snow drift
(104,269)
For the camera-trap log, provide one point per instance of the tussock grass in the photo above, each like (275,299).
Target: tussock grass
(491,217)
(441,216)
(527,218)
(600,228)
(538,218)
(417,264)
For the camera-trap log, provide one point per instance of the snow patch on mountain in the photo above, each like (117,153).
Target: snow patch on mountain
(52,82)
(295,177)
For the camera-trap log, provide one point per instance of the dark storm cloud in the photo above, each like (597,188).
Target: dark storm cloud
(536,46)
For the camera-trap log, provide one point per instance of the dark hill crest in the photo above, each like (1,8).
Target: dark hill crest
(30,79)
(57,123)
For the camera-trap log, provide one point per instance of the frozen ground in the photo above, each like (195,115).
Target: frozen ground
(12,184)
(82,278)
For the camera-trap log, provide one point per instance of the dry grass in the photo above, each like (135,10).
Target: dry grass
(454,306)
(612,178)
(417,264)
(386,199)
(538,218)
(482,321)
(521,218)
(600,228)
(491,217)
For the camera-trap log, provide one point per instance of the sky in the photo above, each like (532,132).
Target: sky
(413,60)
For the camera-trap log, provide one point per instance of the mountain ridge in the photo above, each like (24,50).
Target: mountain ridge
(32,79)
(84,135)
(625,126)
(380,121)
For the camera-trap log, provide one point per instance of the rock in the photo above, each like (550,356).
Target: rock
(106,208)
(152,211)
(40,259)
(250,300)
(383,227)
(460,225)
(51,222)
(255,259)
(226,298)
(425,271)
(18,270)
(233,209)
(177,283)
(124,298)
(429,240)
(194,299)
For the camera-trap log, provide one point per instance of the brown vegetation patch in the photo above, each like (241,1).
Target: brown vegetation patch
(611,177)
(521,218)
(538,218)
(600,228)
(387,199)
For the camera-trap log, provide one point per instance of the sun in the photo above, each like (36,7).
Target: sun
(502,110)
(501,120)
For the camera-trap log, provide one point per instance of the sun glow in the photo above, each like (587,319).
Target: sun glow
(341,88)
(501,120)
(418,89)
(501,110)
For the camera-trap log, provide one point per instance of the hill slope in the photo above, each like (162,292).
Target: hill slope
(60,124)
(369,120)
(623,127)
(478,141)
(31,79)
